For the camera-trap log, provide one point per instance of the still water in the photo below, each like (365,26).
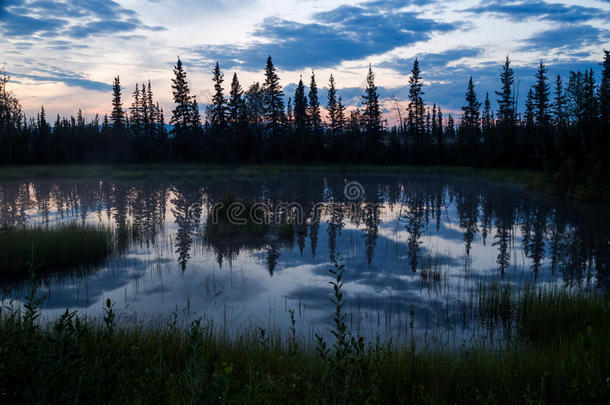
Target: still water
(415,247)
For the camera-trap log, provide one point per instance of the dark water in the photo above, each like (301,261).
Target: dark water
(416,248)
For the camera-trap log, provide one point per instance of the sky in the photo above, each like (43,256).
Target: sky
(63,55)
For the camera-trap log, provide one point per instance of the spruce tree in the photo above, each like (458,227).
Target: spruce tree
(541,96)
(506,101)
(153,113)
(371,114)
(471,120)
(146,112)
(300,108)
(415,117)
(486,119)
(181,114)
(235,100)
(340,117)
(450,127)
(331,105)
(559,102)
(118,115)
(136,110)
(313,110)
(218,112)
(195,117)
(273,98)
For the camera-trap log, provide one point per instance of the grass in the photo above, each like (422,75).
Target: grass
(560,355)
(60,248)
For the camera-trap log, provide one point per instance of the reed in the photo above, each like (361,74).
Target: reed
(559,355)
(53,249)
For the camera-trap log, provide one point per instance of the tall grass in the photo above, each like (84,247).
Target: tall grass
(58,248)
(560,355)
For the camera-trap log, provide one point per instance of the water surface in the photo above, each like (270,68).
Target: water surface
(416,248)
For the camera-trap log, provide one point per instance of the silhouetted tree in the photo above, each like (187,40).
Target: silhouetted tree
(118,115)
(471,124)
(371,112)
(313,110)
(415,117)
(273,99)
(218,116)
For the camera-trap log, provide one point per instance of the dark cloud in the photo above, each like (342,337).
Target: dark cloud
(76,19)
(571,37)
(524,10)
(69,79)
(15,25)
(344,33)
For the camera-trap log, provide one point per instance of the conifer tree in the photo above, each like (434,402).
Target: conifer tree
(273,98)
(152,108)
(440,136)
(300,108)
(136,110)
(506,101)
(118,115)
(218,115)
(195,117)
(541,96)
(313,110)
(181,114)
(235,100)
(340,117)
(371,114)
(415,117)
(145,110)
(471,120)
(331,105)
(559,102)
(450,127)
(486,119)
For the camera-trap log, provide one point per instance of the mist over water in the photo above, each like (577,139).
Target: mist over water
(415,247)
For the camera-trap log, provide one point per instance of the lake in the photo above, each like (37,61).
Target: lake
(416,249)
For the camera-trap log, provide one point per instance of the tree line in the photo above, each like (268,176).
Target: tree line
(563,130)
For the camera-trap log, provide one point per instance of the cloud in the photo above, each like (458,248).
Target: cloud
(334,36)
(432,61)
(566,38)
(525,10)
(69,79)
(20,25)
(75,19)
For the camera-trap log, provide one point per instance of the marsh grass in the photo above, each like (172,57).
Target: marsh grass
(560,354)
(60,248)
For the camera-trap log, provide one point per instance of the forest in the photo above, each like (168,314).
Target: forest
(563,131)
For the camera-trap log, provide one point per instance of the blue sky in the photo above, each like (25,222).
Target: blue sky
(64,54)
